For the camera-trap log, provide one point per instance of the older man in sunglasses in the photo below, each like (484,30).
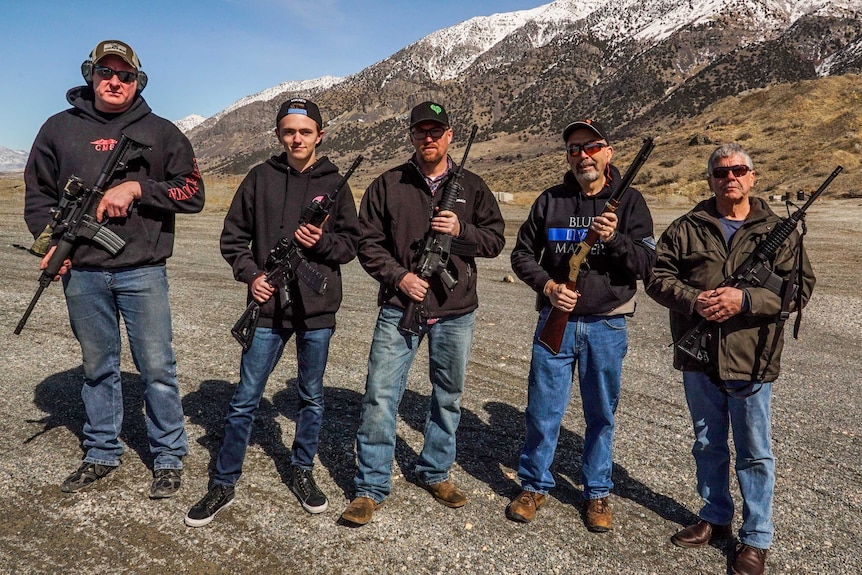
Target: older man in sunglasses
(139,205)
(729,389)
(595,339)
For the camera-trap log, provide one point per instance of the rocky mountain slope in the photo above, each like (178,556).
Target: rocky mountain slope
(646,65)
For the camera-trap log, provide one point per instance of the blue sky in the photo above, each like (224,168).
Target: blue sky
(203,56)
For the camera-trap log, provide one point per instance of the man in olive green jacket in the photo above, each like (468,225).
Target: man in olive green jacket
(744,340)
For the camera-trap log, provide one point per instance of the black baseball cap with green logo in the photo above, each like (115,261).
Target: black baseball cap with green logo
(428,112)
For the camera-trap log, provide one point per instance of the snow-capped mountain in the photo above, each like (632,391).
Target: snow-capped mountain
(314,85)
(189,122)
(455,48)
(632,63)
(12,160)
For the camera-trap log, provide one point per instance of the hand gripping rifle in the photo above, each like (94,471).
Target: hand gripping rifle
(433,257)
(75,217)
(552,332)
(286,262)
(753,272)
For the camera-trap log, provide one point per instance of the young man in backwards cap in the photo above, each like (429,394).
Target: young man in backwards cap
(268,206)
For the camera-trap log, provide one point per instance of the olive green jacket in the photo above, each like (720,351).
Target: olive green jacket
(692,256)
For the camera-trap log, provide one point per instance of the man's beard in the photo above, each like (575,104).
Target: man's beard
(590,176)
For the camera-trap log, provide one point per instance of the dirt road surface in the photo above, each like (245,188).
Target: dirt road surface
(115,528)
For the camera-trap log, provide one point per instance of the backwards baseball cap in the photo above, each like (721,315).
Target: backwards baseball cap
(592,125)
(300,106)
(428,112)
(115,48)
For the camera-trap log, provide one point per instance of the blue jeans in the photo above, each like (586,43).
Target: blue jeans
(95,300)
(257,363)
(389,361)
(597,344)
(713,414)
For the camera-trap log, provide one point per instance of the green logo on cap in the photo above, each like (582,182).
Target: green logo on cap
(437,109)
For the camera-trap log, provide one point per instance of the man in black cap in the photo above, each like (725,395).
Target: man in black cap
(595,339)
(268,206)
(139,205)
(394,213)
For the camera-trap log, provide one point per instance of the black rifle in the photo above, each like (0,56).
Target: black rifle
(433,257)
(75,217)
(552,332)
(286,262)
(753,272)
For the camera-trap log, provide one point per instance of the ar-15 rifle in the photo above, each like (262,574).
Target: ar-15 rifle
(552,332)
(433,257)
(75,217)
(286,262)
(753,272)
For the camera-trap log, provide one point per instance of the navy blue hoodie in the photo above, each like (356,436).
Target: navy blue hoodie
(77,142)
(560,219)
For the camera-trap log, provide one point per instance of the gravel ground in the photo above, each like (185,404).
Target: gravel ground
(115,528)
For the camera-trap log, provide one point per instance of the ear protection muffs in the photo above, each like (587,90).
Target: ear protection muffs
(87,73)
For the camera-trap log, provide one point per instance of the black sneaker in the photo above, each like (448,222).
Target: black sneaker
(306,490)
(216,499)
(166,482)
(85,476)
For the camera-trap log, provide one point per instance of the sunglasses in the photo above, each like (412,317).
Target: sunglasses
(590,149)
(738,171)
(107,73)
(435,133)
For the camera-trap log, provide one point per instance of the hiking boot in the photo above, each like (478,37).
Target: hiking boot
(598,517)
(166,482)
(216,499)
(85,476)
(306,490)
(523,508)
(445,493)
(360,510)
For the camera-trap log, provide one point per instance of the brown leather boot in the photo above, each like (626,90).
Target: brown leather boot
(598,517)
(446,493)
(749,561)
(523,508)
(360,510)
(700,534)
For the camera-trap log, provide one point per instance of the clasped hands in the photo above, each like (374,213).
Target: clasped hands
(720,304)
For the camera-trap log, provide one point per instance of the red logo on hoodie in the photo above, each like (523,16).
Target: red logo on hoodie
(104,145)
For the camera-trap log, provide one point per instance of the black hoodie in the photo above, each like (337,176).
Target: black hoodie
(267,206)
(559,221)
(77,142)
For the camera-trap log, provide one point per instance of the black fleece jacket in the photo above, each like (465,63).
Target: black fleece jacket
(395,215)
(77,142)
(560,219)
(267,206)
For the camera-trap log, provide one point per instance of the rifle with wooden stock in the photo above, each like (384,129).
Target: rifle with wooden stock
(286,263)
(753,272)
(552,332)
(433,257)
